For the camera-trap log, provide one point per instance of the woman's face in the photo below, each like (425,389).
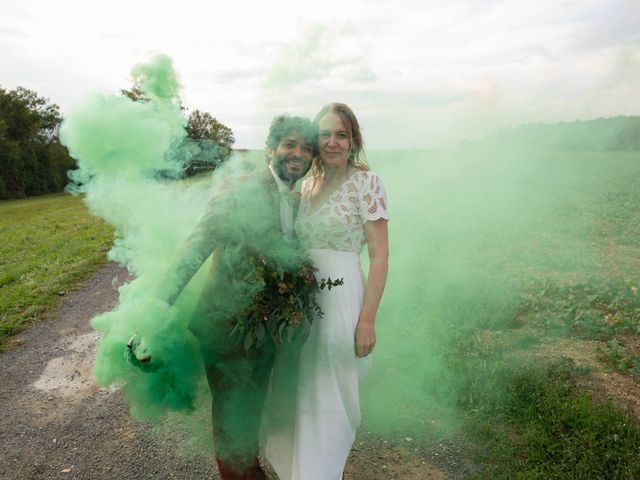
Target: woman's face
(333,141)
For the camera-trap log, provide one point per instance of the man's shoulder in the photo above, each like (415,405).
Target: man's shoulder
(255,190)
(259,177)
(242,186)
(235,184)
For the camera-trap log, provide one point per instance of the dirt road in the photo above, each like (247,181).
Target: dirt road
(56,423)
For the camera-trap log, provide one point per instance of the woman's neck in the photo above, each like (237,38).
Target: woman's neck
(335,174)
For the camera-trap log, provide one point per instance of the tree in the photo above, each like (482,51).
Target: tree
(619,133)
(202,126)
(32,161)
(136,94)
(28,116)
(214,140)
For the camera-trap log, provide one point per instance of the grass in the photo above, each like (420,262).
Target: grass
(608,311)
(620,358)
(536,423)
(597,310)
(527,416)
(532,419)
(49,244)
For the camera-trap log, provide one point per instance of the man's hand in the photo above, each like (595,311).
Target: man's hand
(137,355)
(137,350)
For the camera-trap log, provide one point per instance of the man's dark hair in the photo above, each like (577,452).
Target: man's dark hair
(284,125)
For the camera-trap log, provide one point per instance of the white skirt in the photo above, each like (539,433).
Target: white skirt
(314,412)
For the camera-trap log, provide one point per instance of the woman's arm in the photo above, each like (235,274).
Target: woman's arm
(378,244)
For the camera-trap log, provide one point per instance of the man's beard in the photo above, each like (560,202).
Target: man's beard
(280,168)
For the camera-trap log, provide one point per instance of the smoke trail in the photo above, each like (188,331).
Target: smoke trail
(124,148)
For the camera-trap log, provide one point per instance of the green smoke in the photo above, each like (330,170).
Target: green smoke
(166,232)
(471,231)
(123,148)
(158,79)
(474,233)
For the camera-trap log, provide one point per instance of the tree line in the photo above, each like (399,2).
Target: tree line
(34,162)
(621,133)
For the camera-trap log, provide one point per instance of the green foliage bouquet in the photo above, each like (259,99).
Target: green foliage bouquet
(285,305)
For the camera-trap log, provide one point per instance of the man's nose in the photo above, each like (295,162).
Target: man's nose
(298,151)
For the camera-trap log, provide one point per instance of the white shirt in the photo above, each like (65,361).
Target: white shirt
(286,209)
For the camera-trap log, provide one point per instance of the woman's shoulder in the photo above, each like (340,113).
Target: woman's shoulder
(367,179)
(367,174)
(373,203)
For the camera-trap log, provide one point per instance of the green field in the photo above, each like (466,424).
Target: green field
(49,244)
(503,265)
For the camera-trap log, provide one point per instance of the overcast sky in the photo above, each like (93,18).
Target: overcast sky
(418,74)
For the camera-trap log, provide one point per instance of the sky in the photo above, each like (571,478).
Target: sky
(418,74)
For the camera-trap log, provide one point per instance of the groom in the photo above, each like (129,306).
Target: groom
(251,215)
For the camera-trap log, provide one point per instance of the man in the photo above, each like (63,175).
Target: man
(252,215)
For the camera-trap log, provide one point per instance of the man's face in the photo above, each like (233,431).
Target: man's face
(291,159)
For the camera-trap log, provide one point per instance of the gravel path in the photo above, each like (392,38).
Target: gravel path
(56,423)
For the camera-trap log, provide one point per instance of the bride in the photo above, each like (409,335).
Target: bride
(343,207)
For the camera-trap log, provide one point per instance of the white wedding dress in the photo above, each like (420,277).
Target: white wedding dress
(314,405)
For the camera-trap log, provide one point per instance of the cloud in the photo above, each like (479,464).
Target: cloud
(322,52)
(520,55)
(12,32)
(417,70)
(604,25)
(234,75)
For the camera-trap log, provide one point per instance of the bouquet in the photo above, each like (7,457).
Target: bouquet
(285,305)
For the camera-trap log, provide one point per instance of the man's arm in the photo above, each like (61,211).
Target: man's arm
(203,240)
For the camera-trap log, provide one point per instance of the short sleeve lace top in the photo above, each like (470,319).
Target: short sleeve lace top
(338,223)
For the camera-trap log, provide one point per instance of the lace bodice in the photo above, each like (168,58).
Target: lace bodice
(338,223)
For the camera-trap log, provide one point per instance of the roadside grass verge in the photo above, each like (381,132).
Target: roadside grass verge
(49,244)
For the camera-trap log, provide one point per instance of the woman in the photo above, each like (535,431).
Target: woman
(343,207)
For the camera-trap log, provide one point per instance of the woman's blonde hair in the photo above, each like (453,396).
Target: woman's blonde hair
(357,156)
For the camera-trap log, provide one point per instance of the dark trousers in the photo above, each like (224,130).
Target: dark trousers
(238,381)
